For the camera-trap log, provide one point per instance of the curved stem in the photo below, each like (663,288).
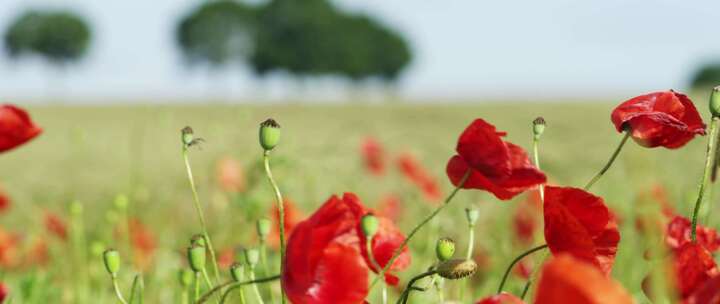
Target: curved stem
(281,215)
(376,265)
(118,293)
(232,285)
(201,216)
(266,267)
(525,289)
(258,297)
(517,259)
(420,225)
(710,153)
(406,293)
(610,161)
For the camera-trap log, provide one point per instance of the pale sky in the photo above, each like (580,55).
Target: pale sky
(464,49)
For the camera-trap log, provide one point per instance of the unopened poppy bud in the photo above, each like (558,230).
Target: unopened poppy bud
(715,102)
(252,257)
(538,127)
(456,269)
(121,201)
(196,257)
(263,228)
(269,134)
(369,225)
(185,277)
(237,272)
(187,136)
(111,258)
(472,215)
(197,240)
(445,249)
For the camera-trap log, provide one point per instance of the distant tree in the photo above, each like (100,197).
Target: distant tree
(707,76)
(217,32)
(59,37)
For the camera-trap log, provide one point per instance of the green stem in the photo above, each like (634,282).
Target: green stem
(406,293)
(231,286)
(706,176)
(536,157)
(610,161)
(376,265)
(197,286)
(266,267)
(420,225)
(207,279)
(515,261)
(199,211)
(255,288)
(118,293)
(281,215)
(468,256)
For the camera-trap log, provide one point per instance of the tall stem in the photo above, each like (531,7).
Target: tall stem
(258,297)
(420,225)
(610,161)
(536,157)
(468,256)
(199,211)
(406,293)
(710,153)
(281,215)
(197,286)
(515,261)
(376,265)
(118,293)
(266,267)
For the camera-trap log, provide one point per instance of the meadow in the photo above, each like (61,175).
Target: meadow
(93,155)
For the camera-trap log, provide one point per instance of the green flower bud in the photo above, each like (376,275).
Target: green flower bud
(111,257)
(538,127)
(196,257)
(715,102)
(185,277)
(187,136)
(269,134)
(472,216)
(456,269)
(263,228)
(369,224)
(237,271)
(121,202)
(252,257)
(197,240)
(445,249)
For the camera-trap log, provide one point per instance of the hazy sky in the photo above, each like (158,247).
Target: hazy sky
(463,49)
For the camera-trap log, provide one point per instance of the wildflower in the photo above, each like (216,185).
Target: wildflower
(373,156)
(16,127)
(4,201)
(678,234)
(56,225)
(230,175)
(414,172)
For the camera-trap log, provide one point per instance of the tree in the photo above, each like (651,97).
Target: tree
(707,76)
(60,37)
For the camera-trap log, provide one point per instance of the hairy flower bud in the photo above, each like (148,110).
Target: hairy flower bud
(111,258)
(269,134)
(263,228)
(369,224)
(445,249)
(196,258)
(456,269)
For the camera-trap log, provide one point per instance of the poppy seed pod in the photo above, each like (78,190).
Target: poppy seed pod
(252,257)
(472,216)
(369,225)
(269,134)
(263,228)
(237,272)
(715,102)
(185,277)
(445,249)
(111,258)
(538,127)
(197,240)
(196,257)
(456,269)
(187,136)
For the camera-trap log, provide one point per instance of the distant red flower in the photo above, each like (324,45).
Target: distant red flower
(668,119)
(373,156)
(390,206)
(3,292)
(325,260)
(526,218)
(4,201)
(8,248)
(16,127)
(502,298)
(659,193)
(579,223)
(226,258)
(565,279)
(414,172)
(678,234)
(143,241)
(292,217)
(497,166)
(56,225)
(230,175)
(523,268)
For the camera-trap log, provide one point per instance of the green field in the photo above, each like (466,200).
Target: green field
(92,154)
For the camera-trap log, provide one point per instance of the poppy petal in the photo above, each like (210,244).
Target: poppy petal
(16,127)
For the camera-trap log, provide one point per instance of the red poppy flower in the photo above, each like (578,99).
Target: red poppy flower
(411,168)
(16,127)
(373,156)
(526,218)
(497,166)
(678,234)
(9,244)
(4,201)
(523,269)
(144,243)
(693,266)
(56,225)
(667,119)
(566,279)
(39,254)
(502,298)
(390,207)
(292,217)
(579,223)
(708,293)
(226,258)
(3,292)
(230,175)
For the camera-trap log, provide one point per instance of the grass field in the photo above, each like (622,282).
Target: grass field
(92,154)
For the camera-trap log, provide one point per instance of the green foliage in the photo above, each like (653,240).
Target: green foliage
(217,32)
(707,76)
(60,37)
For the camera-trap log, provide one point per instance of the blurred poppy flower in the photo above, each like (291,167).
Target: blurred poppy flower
(565,279)
(56,225)
(8,248)
(523,269)
(16,127)
(678,234)
(390,206)
(143,241)
(3,292)
(414,172)
(373,156)
(230,175)
(226,258)
(693,266)
(579,223)
(526,218)
(502,298)
(39,253)
(292,217)
(4,201)
(497,166)
(668,119)
(708,293)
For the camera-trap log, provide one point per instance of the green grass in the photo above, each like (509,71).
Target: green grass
(92,154)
